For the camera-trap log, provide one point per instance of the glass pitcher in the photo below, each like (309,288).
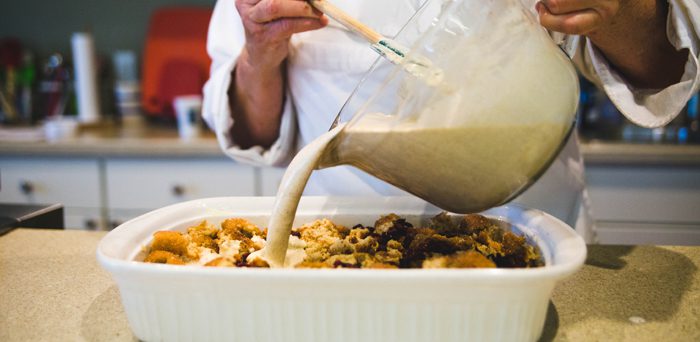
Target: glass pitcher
(494,105)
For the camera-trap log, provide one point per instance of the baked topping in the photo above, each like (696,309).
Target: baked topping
(446,242)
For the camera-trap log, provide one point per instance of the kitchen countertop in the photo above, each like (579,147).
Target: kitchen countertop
(109,140)
(611,153)
(54,289)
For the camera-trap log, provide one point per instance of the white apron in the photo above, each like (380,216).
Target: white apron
(325,65)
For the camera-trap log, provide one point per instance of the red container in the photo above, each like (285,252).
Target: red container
(175,60)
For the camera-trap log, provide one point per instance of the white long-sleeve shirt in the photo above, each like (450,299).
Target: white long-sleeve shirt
(325,65)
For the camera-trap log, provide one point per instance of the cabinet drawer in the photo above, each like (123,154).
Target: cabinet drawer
(150,184)
(271,177)
(119,216)
(72,182)
(84,219)
(645,194)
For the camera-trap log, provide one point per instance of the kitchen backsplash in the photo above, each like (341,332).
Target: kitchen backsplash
(45,27)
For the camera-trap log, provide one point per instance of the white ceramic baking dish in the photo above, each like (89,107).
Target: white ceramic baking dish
(178,303)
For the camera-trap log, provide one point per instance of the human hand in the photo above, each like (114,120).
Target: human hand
(631,34)
(269,24)
(578,17)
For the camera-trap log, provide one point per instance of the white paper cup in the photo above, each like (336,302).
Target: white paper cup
(188,110)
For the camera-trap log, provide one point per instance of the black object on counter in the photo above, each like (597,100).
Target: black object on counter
(30,216)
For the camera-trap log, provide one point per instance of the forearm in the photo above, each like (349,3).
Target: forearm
(256,94)
(256,98)
(635,43)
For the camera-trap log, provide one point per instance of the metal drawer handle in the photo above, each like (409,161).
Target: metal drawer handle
(90,224)
(178,190)
(26,187)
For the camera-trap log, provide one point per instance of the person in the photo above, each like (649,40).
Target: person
(282,70)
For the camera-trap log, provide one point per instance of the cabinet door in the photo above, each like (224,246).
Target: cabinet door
(645,205)
(270,178)
(84,218)
(118,216)
(72,182)
(154,183)
(645,194)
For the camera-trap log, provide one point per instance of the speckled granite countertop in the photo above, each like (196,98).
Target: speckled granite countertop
(146,141)
(53,289)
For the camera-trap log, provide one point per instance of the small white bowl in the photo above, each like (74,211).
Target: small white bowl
(60,128)
(179,303)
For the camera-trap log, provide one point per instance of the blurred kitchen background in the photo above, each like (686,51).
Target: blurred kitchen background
(132,142)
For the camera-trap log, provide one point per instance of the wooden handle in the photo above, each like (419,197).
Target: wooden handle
(346,20)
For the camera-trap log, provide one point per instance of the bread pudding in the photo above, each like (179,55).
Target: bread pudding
(469,241)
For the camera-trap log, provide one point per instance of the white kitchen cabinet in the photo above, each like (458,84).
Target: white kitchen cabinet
(85,218)
(43,180)
(100,193)
(645,204)
(270,180)
(116,217)
(102,185)
(73,182)
(133,183)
